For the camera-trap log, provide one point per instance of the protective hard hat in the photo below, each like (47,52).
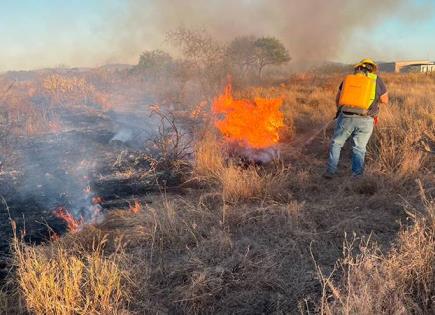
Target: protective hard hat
(367,61)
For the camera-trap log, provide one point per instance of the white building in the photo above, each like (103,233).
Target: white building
(408,66)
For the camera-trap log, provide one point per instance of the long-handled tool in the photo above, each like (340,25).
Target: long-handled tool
(299,146)
(318,132)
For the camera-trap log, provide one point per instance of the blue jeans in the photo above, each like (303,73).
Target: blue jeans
(360,128)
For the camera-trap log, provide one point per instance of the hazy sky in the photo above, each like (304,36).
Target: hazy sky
(46,33)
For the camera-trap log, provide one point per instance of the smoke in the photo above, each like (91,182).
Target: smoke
(131,129)
(118,31)
(312,30)
(56,173)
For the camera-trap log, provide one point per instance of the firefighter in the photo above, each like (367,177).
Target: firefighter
(357,103)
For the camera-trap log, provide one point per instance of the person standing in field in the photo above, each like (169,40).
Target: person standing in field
(357,102)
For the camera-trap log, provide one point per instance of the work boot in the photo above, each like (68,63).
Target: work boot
(357,176)
(328,175)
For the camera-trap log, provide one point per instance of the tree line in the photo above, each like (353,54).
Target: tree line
(204,57)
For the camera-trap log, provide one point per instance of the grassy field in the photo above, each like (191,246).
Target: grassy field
(276,238)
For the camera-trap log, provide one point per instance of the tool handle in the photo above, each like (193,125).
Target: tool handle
(314,136)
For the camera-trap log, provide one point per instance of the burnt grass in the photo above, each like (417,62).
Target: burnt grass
(43,172)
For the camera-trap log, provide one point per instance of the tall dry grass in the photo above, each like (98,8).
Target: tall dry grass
(400,282)
(35,106)
(404,138)
(209,160)
(236,182)
(54,279)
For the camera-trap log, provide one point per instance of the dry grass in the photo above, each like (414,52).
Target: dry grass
(234,181)
(54,279)
(34,107)
(405,134)
(209,160)
(401,282)
(241,242)
(189,259)
(240,184)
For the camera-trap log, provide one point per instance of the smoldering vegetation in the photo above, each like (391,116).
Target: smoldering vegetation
(187,227)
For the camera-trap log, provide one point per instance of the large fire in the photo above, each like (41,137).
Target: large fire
(252,124)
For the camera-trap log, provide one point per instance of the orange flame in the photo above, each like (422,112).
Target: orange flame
(73,224)
(96,200)
(136,208)
(54,237)
(254,124)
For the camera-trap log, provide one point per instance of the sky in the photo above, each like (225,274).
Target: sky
(48,33)
(395,39)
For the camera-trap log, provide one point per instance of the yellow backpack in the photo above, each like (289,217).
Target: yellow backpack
(358,93)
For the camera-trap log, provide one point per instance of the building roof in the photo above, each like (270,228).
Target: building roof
(413,62)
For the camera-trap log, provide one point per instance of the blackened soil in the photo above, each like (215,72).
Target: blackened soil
(41,173)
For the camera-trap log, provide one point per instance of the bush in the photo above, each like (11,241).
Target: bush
(155,63)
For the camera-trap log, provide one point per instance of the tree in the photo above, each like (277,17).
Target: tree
(196,45)
(155,61)
(270,51)
(241,53)
(204,54)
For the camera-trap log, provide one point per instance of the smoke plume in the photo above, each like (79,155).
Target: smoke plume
(119,31)
(314,29)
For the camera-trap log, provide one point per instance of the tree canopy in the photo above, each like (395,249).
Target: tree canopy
(154,59)
(270,51)
(241,52)
(250,52)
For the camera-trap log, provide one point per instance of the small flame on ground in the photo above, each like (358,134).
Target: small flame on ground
(73,224)
(54,237)
(87,190)
(96,200)
(136,207)
(89,214)
(254,124)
